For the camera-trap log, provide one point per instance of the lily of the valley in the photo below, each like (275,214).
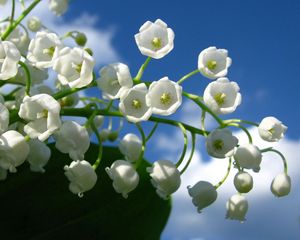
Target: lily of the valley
(220,143)
(58,7)
(222,96)
(203,194)
(13,150)
(9,58)
(281,185)
(155,39)
(131,146)
(165,178)
(44,49)
(213,63)
(4,118)
(133,104)
(81,175)
(125,177)
(73,139)
(237,207)
(43,113)
(74,67)
(271,129)
(248,156)
(243,182)
(164,96)
(38,156)
(114,79)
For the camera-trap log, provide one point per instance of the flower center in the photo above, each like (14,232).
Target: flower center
(114,82)
(165,98)
(156,42)
(136,104)
(77,67)
(218,144)
(43,114)
(49,51)
(220,98)
(271,130)
(211,64)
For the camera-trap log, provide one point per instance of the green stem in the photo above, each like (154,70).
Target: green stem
(243,128)
(28,78)
(192,153)
(226,175)
(140,73)
(12,12)
(152,131)
(185,77)
(240,121)
(19,19)
(185,143)
(99,158)
(69,91)
(197,100)
(203,122)
(270,149)
(143,145)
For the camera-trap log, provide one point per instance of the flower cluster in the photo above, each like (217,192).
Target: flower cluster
(32,115)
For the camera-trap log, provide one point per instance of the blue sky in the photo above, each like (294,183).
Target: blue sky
(262,38)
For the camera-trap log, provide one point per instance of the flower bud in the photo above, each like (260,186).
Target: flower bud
(81,175)
(34,24)
(113,135)
(80,39)
(203,194)
(165,177)
(281,185)
(271,129)
(243,182)
(125,177)
(248,156)
(131,147)
(104,133)
(237,207)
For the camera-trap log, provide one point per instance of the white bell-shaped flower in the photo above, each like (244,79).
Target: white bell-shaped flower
(271,129)
(114,80)
(165,178)
(37,75)
(220,143)
(125,177)
(248,156)
(81,175)
(164,96)
(58,7)
(74,67)
(133,104)
(43,113)
(155,39)
(9,58)
(34,24)
(13,150)
(3,174)
(19,37)
(44,49)
(73,139)
(131,147)
(243,182)
(39,155)
(237,207)
(222,96)
(281,185)
(203,194)
(4,118)
(213,63)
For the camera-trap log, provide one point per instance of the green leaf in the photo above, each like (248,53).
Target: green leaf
(40,206)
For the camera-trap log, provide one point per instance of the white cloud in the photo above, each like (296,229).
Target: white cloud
(268,217)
